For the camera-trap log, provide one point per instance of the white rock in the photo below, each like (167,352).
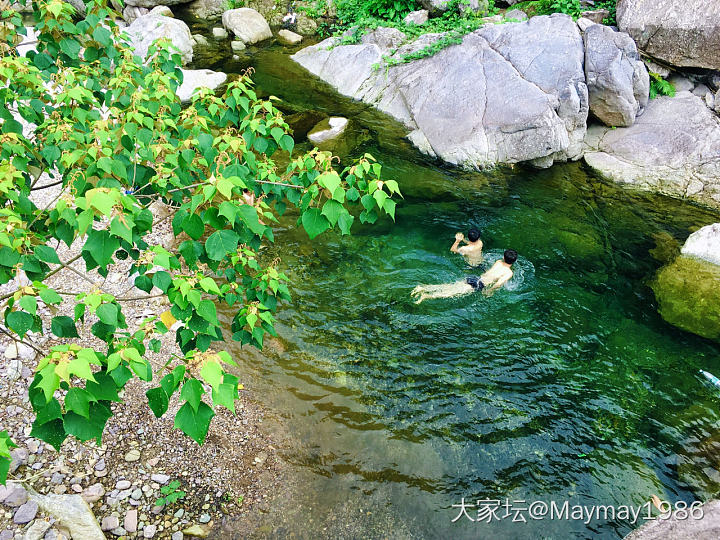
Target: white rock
(146,29)
(162,11)
(198,78)
(327,129)
(417,17)
(109,523)
(237,46)
(37,530)
(681,84)
(247,24)
(291,38)
(219,33)
(704,244)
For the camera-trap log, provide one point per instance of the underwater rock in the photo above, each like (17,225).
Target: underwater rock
(288,37)
(328,130)
(688,296)
(508,93)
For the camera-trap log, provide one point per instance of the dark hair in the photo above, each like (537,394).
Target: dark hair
(473,235)
(510,256)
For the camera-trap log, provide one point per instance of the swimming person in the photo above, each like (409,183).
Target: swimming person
(499,274)
(473,250)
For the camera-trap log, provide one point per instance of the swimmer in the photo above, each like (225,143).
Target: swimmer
(473,250)
(499,274)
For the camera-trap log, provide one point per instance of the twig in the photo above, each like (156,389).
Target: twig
(16,340)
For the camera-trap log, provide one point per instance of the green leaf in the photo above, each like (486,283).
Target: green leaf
(121,230)
(20,322)
(192,392)
(158,400)
(78,400)
(108,314)
(49,296)
(207,311)
(345,221)
(101,246)
(162,280)
(52,432)
(63,326)
(250,217)
(193,225)
(212,372)
(47,254)
(104,388)
(332,210)
(88,428)
(329,180)
(314,222)
(287,143)
(389,206)
(28,303)
(208,285)
(194,422)
(225,395)
(80,368)
(221,243)
(228,210)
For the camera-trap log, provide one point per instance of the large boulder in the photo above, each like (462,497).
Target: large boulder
(704,244)
(683,33)
(617,80)
(199,78)
(673,148)
(247,24)
(683,527)
(508,93)
(208,9)
(148,28)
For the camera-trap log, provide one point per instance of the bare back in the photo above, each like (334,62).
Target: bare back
(499,274)
(472,253)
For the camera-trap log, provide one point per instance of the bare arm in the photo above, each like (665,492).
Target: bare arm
(459,237)
(490,288)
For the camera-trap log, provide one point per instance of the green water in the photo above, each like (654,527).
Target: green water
(567,385)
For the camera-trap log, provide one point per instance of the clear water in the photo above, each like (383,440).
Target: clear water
(565,386)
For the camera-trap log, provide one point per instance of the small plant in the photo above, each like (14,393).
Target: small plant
(171,494)
(569,7)
(659,86)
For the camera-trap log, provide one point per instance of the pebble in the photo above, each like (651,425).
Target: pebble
(123,484)
(17,497)
(7,534)
(93,493)
(160,478)
(177,536)
(37,529)
(131,520)
(204,518)
(109,523)
(152,462)
(100,465)
(149,531)
(26,513)
(180,513)
(100,474)
(132,455)
(59,490)
(119,531)
(136,494)
(77,488)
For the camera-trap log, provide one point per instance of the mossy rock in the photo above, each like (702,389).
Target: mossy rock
(688,295)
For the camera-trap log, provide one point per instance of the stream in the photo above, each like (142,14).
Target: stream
(565,386)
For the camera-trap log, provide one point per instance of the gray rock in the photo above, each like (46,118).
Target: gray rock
(327,130)
(673,148)
(19,457)
(149,4)
(132,455)
(7,534)
(685,33)
(204,518)
(219,33)
(507,93)
(146,29)
(13,371)
(681,84)
(617,80)
(288,37)
(208,9)
(178,535)
(37,530)
(149,531)
(516,15)
(131,521)
(109,523)
(437,7)
(199,78)
(136,494)
(119,531)
(73,513)
(123,484)
(25,513)
(247,24)
(93,493)
(701,90)
(200,40)
(704,244)
(160,478)
(100,465)
(131,13)
(417,17)
(706,528)
(237,45)
(16,497)
(596,15)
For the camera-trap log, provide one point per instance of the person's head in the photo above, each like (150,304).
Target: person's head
(510,256)
(473,235)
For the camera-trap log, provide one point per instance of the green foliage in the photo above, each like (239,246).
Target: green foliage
(611,6)
(659,86)
(114,135)
(5,445)
(569,7)
(171,494)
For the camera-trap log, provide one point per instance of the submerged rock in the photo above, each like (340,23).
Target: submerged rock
(617,80)
(688,296)
(247,24)
(146,29)
(508,93)
(328,130)
(673,148)
(704,244)
(291,38)
(683,33)
(198,78)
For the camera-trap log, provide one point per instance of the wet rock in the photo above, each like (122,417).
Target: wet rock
(617,80)
(328,130)
(219,33)
(25,513)
(247,24)
(288,37)
(704,244)
(237,45)
(417,17)
(673,528)
(198,531)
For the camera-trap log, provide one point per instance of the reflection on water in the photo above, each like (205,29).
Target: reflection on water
(565,385)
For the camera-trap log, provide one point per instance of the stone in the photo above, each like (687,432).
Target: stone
(673,148)
(247,24)
(162,11)
(72,512)
(204,518)
(704,244)
(37,530)
(14,368)
(131,521)
(160,478)
(16,497)
(100,465)
(701,91)
(146,29)
(328,130)
(119,531)
(131,13)
(237,45)
(200,40)
(207,9)
(11,352)
(25,513)
(19,456)
(288,37)
(219,33)
(199,531)
(7,534)
(123,484)
(417,17)
(596,15)
(674,528)
(199,78)
(19,350)
(681,84)
(683,34)
(149,531)
(177,535)
(710,101)
(109,523)
(136,494)
(132,455)
(150,4)
(93,493)
(617,80)
(508,93)
(437,7)
(516,15)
